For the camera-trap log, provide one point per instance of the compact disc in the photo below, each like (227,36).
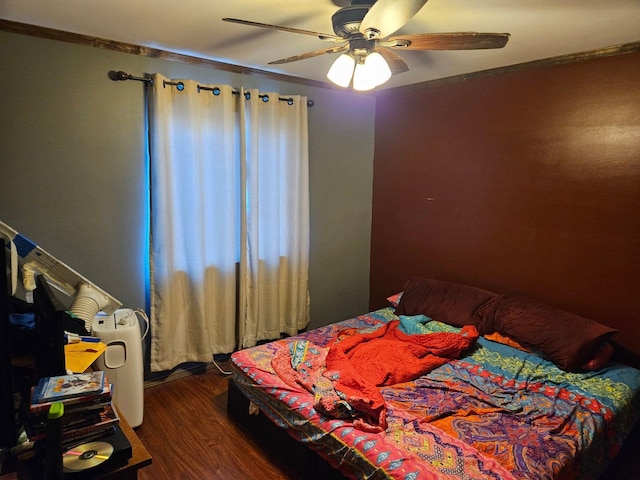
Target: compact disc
(87,455)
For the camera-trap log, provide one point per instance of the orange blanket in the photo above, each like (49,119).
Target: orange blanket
(359,363)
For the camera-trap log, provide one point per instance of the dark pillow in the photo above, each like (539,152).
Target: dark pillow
(600,358)
(566,339)
(451,303)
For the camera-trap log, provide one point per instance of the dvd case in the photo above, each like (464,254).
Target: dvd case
(59,388)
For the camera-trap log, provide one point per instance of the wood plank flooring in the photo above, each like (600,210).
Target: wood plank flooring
(189,435)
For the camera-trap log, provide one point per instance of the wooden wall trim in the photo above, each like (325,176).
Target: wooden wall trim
(80,39)
(546,62)
(86,40)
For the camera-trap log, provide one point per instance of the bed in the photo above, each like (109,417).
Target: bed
(450,381)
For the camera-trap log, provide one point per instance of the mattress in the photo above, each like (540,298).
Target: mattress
(494,412)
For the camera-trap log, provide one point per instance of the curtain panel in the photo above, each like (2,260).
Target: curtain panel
(229,219)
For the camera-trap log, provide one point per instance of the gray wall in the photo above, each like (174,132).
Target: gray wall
(73,172)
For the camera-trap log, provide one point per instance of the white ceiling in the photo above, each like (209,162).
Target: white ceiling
(539,29)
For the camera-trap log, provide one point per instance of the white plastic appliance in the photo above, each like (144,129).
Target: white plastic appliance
(122,360)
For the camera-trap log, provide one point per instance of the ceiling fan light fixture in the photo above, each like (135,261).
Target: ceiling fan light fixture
(377,67)
(362,80)
(371,72)
(341,71)
(362,30)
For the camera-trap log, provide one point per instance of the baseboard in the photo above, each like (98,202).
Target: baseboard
(182,371)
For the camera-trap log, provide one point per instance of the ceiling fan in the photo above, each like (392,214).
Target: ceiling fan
(362,34)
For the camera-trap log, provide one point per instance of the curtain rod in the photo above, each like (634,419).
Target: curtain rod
(120,75)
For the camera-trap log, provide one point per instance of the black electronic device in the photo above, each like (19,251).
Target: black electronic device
(49,331)
(8,430)
(44,344)
(85,460)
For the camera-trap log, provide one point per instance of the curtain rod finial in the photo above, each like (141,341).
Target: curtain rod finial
(119,75)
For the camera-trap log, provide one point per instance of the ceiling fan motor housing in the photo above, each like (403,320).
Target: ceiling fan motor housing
(347,20)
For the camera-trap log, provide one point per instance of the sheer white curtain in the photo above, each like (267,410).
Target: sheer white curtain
(215,204)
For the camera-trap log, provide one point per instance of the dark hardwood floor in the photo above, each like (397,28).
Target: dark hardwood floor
(189,435)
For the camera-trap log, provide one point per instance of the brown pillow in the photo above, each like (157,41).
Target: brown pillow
(566,339)
(600,358)
(451,303)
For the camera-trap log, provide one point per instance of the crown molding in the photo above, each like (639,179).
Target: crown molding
(80,39)
(87,40)
(546,62)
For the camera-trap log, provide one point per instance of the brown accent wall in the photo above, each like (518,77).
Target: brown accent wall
(526,181)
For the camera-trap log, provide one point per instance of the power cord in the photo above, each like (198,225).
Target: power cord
(215,364)
(144,316)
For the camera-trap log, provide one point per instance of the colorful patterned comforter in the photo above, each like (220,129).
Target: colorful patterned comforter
(496,412)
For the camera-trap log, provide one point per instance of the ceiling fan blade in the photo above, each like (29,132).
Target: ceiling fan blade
(396,62)
(386,16)
(315,53)
(321,36)
(448,41)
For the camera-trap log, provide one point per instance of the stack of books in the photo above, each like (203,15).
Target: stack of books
(89,414)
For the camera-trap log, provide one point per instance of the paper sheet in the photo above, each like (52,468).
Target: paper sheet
(79,356)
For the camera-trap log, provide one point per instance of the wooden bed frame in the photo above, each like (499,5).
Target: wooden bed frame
(303,461)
